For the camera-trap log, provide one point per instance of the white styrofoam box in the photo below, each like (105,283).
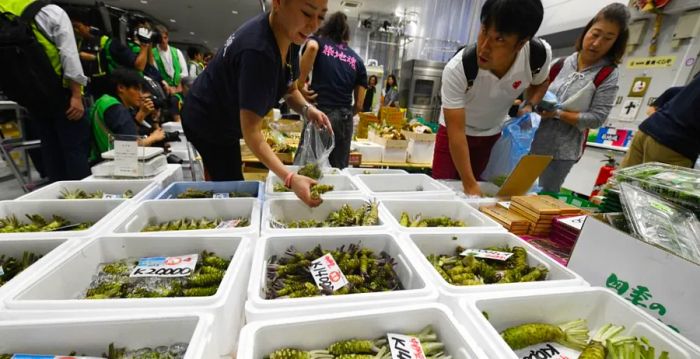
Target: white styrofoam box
(147,168)
(403,186)
(144,189)
(445,244)
(172,173)
(342,186)
(597,305)
(416,288)
(92,336)
(58,286)
(420,151)
(474,220)
(50,251)
(319,331)
(98,211)
(394,155)
(155,211)
(295,168)
(352,171)
(292,209)
(371,152)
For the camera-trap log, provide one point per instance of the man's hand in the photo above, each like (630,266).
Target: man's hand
(301,185)
(75,110)
(157,135)
(524,109)
(472,189)
(147,106)
(319,118)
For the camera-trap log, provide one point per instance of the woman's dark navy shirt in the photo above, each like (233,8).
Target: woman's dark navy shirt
(247,73)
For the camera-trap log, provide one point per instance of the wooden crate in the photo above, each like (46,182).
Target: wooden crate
(365,119)
(393,116)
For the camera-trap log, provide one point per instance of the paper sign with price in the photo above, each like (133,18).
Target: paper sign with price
(574,222)
(405,347)
(221,195)
(126,161)
(547,351)
(111,196)
(35,356)
(486,254)
(181,266)
(327,274)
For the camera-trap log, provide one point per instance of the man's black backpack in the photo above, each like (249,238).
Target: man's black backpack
(27,75)
(538,56)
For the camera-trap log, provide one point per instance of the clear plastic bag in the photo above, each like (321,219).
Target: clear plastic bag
(662,223)
(315,147)
(514,143)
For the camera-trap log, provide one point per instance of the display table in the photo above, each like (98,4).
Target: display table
(396,165)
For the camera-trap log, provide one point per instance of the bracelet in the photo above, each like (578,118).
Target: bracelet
(305,110)
(288,179)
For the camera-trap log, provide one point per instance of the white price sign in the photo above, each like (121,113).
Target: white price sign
(548,351)
(39,356)
(405,347)
(233,223)
(111,196)
(574,222)
(486,254)
(504,204)
(181,266)
(126,161)
(221,195)
(327,274)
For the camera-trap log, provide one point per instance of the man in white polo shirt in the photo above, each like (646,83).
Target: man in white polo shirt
(480,83)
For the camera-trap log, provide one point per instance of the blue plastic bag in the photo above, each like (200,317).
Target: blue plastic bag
(514,143)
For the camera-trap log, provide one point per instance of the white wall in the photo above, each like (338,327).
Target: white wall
(562,15)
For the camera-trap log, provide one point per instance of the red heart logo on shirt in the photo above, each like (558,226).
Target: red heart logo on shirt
(516,84)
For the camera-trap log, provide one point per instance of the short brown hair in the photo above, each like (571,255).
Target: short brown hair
(618,14)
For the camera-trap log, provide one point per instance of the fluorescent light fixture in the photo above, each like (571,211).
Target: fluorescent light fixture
(172,20)
(144,2)
(234,12)
(191,32)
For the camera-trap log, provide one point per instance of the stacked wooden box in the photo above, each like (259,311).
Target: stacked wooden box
(540,212)
(511,221)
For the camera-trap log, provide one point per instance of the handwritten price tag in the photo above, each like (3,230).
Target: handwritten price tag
(181,266)
(574,222)
(327,274)
(221,195)
(547,351)
(486,254)
(126,161)
(405,347)
(111,196)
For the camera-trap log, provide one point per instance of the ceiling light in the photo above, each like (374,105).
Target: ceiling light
(234,12)
(172,20)
(144,1)
(398,12)
(206,42)
(191,32)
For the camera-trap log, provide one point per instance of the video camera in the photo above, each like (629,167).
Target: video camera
(147,36)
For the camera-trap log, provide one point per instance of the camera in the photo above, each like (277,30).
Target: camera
(158,102)
(147,36)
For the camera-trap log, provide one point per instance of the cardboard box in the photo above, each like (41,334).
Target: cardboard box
(410,135)
(420,151)
(393,116)
(394,150)
(658,282)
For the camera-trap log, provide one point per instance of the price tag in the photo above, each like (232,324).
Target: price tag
(37,356)
(504,204)
(547,351)
(405,347)
(1,271)
(126,161)
(221,195)
(486,254)
(574,222)
(327,274)
(111,196)
(168,267)
(229,224)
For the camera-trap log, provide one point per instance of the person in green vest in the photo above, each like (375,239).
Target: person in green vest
(122,112)
(65,137)
(196,62)
(173,68)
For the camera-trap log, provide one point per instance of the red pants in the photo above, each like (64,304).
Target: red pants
(479,152)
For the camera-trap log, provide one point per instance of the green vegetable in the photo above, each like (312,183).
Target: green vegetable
(196,193)
(420,221)
(346,216)
(310,170)
(185,224)
(596,347)
(573,335)
(12,266)
(289,276)
(38,223)
(626,347)
(81,194)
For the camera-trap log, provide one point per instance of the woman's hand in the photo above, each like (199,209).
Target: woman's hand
(319,118)
(301,185)
(548,114)
(309,94)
